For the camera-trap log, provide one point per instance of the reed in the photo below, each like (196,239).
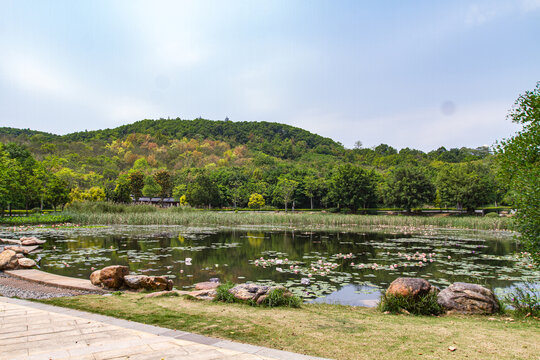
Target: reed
(315,220)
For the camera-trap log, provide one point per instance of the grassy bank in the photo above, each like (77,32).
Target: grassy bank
(332,331)
(34,219)
(307,220)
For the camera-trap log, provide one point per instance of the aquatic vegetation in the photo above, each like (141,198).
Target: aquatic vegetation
(332,266)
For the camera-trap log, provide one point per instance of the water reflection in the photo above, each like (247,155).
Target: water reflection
(347,268)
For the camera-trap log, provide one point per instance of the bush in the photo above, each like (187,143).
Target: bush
(276,297)
(492,215)
(525,301)
(256,201)
(223,293)
(422,305)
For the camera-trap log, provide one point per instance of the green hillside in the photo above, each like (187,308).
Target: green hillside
(222,163)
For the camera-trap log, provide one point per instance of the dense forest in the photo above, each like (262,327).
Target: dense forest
(207,163)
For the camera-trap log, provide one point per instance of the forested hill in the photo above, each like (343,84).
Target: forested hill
(234,133)
(223,163)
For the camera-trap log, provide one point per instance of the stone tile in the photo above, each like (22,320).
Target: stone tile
(30,331)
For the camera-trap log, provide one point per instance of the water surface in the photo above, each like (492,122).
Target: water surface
(347,268)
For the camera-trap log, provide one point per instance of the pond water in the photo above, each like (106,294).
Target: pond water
(334,267)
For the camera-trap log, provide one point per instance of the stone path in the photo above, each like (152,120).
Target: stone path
(33,331)
(60,281)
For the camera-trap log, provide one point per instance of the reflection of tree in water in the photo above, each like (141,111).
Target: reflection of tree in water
(227,254)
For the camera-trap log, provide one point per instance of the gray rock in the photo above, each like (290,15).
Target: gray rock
(247,292)
(468,298)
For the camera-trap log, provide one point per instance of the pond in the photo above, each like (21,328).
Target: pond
(336,267)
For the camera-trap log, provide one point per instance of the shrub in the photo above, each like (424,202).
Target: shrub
(256,201)
(525,300)
(492,215)
(277,297)
(422,305)
(223,293)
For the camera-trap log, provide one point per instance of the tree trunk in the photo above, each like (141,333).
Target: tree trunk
(311,203)
(285,206)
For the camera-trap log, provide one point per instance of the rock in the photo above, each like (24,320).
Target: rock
(409,287)
(203,294)
(134,281)
(156,283)
(11,241)
(8,260)
(157,293)
(261,299)
(208,285)
(247,292)
(113,276)
(19,255)
(26,263)
(31,241)
(468,298)
(17,249)
(95,278)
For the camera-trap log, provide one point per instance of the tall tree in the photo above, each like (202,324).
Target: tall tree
(57,192)
(408,187)
(284,190)
(136,183)
(163,178)
(466,185)
(353,187)
(520,164)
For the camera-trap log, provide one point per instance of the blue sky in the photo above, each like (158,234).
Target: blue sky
(419,74)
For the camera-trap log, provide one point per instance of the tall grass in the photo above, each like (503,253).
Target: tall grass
(102,213)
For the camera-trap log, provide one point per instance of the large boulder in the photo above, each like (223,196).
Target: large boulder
(26,263)
(95,278)
(247,292)
(8,260)
(113,276)
(409,287)
(468,298)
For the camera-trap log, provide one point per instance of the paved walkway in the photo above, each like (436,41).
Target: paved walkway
(42,277)
(35,331)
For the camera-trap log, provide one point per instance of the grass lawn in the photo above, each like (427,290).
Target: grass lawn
(333,331)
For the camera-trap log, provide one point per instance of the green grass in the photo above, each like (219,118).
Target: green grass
(314,221)
(333,331)
(35,219)
(423,305)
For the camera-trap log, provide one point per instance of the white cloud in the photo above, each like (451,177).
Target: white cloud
(27,73)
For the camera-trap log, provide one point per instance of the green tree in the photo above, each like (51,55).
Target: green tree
(136,183)
(57,192)
(163,178)
(519,159)
(465,185)
(203,191)
(284,190)
(121,191)
(353,187)
(408,187)
(151,187)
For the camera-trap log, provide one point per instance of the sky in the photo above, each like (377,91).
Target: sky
(419,74)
